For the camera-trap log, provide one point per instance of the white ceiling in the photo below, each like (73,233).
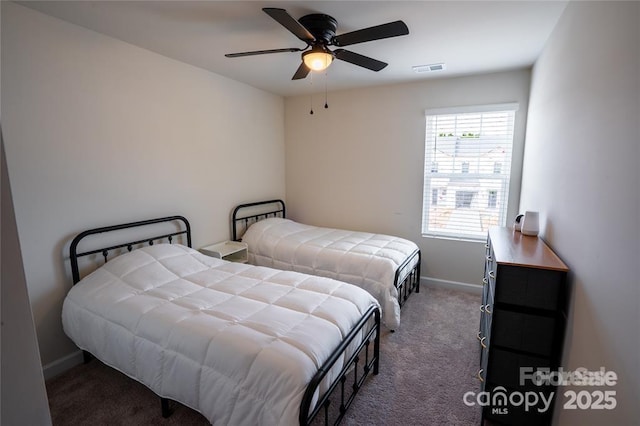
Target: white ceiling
(468,36)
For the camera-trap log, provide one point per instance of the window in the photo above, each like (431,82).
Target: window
(464,198)
(472,149)
(493,199)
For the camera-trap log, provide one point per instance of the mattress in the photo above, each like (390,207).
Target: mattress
(236,342)
(367,260)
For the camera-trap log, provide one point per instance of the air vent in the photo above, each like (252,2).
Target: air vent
(429,68)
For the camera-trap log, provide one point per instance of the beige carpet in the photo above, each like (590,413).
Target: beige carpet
(425,369)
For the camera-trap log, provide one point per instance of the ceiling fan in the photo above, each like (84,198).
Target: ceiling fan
(318,31)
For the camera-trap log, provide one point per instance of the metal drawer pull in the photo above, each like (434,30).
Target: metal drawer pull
(478,336)
(482,342)
(479,375)
(492,274)
(488,258)
(485,281)
(481,308)
(486,245)
(487,310)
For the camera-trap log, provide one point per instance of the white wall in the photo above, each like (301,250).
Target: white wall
(581,173)
(98,132)
(359,164)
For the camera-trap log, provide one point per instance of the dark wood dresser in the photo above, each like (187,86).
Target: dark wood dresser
(522,324)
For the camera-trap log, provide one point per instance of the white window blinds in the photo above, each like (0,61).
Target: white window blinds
(467,168)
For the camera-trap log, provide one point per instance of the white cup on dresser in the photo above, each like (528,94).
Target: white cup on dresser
(530,224)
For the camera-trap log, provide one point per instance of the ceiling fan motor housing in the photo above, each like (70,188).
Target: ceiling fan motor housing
(323,27)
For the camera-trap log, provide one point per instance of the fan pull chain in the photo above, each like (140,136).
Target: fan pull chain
(311,96)
(326,104)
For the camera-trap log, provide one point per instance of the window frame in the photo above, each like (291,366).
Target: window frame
(503,178)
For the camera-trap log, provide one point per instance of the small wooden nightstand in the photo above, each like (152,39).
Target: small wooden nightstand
(233,251)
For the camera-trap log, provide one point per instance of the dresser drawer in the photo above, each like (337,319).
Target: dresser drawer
(529,287)
(524,332)
(504,367)
(484,335)
(482,373)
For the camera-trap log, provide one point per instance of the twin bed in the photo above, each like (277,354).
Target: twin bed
(239,343)
(387,267)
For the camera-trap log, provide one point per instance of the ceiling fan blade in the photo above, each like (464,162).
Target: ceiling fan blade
(301,72)
(290,23)
(360,60)
(262,52)
(391,29)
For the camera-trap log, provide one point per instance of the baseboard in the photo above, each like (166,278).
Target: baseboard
(451,285)
(61,365)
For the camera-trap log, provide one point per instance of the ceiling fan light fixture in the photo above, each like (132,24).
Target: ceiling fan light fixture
(317,59)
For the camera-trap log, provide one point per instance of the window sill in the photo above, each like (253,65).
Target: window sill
(453,238)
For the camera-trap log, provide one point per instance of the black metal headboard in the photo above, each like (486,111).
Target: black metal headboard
(246,214)
(184,229)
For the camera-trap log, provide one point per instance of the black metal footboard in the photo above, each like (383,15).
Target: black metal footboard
(352,371)
(410,282)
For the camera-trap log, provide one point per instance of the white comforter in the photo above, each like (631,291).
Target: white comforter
(367,260)
(236,342)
